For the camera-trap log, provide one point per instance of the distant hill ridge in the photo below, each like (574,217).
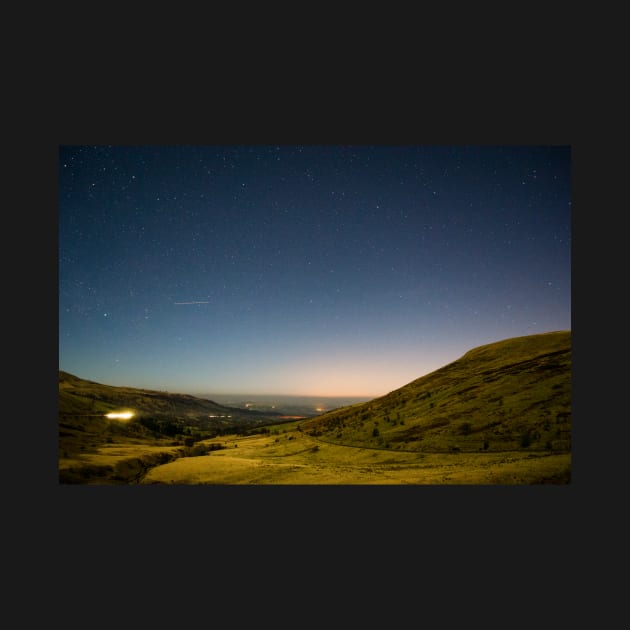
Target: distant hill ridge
(81,396)
(507,395)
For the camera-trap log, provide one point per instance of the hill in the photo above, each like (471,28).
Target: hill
(80,396)
(96,449)
(508,395)
(83,405)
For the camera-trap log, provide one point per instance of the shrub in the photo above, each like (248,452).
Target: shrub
(375,432)
(525,440)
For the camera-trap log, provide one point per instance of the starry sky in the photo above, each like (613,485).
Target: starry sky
(305,270)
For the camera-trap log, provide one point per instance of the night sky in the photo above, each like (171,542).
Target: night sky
(307,270)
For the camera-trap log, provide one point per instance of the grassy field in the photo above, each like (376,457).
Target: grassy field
(295,458)
(114,463)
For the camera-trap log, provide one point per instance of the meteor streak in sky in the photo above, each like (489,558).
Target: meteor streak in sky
(191,302)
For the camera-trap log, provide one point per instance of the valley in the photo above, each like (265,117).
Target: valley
(501,414)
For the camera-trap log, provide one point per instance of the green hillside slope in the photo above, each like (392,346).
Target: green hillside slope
(82,406)
(163,426)
(509,395)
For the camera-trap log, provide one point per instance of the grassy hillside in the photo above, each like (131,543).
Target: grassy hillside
(80,396)
(92,446)
(509,395)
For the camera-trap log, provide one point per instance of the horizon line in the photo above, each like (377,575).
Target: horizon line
(287,395)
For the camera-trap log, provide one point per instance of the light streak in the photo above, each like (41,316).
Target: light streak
(125,415)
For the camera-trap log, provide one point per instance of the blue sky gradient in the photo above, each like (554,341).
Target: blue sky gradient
(316,270)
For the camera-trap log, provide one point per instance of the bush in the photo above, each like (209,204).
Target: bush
(375,432)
